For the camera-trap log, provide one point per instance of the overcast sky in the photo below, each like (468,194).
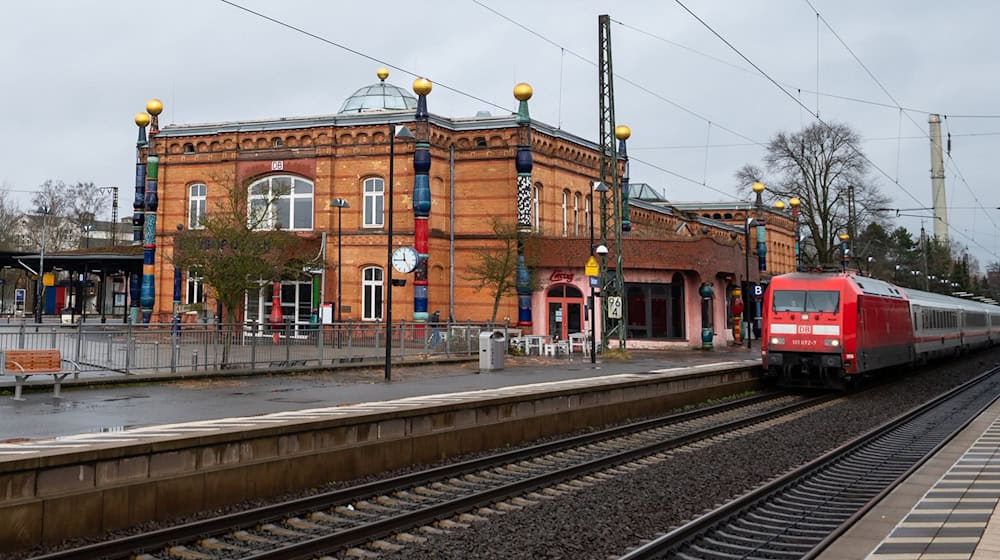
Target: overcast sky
(74,72)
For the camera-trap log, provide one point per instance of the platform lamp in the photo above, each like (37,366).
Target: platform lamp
(794,202)
(758,189)
(845,258)
(339,204)
(402,133)
(599,187)
(45,211)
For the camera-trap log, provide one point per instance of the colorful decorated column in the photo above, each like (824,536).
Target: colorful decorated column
(138,205)
(523,164)
(622,133)
(277,318)
(421,201)
(147,297)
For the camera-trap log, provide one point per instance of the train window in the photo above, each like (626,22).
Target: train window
(789,300)
(816,301)
(822,301)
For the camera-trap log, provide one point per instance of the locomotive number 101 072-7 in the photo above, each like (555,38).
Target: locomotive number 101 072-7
(800,342)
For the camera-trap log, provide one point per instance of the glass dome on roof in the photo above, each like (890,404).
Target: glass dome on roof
(379,97)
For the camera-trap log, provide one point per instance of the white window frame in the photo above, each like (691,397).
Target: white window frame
(194,284)
(272,196)
(536,214)
(197,200)
(565,213)
(587,209)
(576,214)
(374,202)
(372,293)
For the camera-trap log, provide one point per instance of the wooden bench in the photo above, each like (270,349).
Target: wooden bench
(25,363)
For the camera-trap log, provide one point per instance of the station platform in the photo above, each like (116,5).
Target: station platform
(946,510)
(91,405)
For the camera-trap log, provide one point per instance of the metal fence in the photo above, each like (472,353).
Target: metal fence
(151,348)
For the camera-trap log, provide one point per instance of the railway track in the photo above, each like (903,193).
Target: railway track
(798,515)
(378,515)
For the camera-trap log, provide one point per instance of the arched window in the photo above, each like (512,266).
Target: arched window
(536,207)
(372,288)
(565,213)
(281,202)
(374,188)
(576,214)
(196,205)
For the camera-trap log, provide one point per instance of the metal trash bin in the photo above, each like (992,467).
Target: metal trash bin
(492,347)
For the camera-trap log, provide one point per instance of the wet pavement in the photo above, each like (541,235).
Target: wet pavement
(152,400)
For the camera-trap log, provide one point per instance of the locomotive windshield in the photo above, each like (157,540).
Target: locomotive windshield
(807,301)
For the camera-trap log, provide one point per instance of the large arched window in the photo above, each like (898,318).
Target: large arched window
(198,196)
(281,202)
(374,188)
(372,288)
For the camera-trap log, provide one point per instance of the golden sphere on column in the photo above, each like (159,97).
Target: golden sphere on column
(422,86)
(779,205)
(758,187)
(154,106)
(844,237)
(622,132)
(382,73)
(141,119)
(794,202)
(522,92)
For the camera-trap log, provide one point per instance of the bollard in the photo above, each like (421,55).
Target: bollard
(52,338)
(110,344)
(20,336)
(253,350)
(194,360)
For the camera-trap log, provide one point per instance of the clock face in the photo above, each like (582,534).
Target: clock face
(405,259)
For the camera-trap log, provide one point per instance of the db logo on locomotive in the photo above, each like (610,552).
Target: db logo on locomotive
(805,329)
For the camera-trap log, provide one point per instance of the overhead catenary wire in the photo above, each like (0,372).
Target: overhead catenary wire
(893,99)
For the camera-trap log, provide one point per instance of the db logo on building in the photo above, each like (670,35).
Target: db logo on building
(805,329)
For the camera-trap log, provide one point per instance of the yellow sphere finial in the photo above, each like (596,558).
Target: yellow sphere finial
(382,73)
(758,187)
(141,119)
(794,202)
(522,92)
(780,205)
(844,237)
(422,86)
(154,106)
(622,132)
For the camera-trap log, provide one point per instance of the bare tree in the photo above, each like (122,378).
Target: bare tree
(820,165)
(10,217)
(70,208)
(495,267)
(234,251)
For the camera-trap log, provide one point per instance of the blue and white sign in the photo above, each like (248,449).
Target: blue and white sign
(19,295)
(758,290)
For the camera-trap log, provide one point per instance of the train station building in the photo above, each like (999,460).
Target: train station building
(330,175)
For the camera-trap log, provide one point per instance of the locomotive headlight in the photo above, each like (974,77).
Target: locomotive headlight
(831,342)
(777,340)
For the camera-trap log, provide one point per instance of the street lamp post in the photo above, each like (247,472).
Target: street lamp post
(794,202)
(87,228)
(758,189)
(404,134)
(44,211)
(599,187)
(845,258)
(339,204)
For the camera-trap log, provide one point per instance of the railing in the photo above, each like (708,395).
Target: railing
(164,347)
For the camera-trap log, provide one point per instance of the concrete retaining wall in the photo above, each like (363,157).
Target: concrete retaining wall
(55,496)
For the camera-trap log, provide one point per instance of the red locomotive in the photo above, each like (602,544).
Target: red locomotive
(828,329)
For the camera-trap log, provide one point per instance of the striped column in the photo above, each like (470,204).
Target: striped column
(147,295)
(421,200)
(523,163)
